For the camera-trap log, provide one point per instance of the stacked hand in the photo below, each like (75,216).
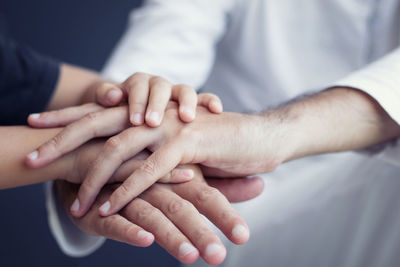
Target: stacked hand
(170,214)
(169,211)
(219,142)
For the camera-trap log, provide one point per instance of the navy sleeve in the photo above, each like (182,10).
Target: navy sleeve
(27,82)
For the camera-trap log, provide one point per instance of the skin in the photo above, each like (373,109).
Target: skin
(147,96)
(229,144)
(160,213)
(170,212)
(75,86)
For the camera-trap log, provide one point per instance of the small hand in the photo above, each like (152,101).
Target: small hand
(147,96)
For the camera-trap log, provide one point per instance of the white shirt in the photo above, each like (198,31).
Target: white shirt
(330,210)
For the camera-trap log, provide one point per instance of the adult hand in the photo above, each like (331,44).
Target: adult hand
(165,213)
(230,143)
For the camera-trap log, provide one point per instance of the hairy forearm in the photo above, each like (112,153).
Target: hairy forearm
(74,87)
(16,142)
(334,120)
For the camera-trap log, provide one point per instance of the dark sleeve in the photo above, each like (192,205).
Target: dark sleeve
(27,82)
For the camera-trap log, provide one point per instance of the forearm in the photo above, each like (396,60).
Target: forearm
(334,120)
(16,143)
(75,86)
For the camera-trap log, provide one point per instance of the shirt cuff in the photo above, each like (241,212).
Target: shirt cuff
(71,240)
(381,80)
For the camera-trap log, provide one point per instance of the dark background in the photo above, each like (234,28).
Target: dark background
(83,33)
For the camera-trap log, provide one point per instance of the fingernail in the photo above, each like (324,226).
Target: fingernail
(105,207)
(185,249)
(213,249)
(240,232)
(188,111)
(33,155)
(35,116)
(75,206)
(113,95)
(142,234)
(188,173)
(137,118)
(154,117)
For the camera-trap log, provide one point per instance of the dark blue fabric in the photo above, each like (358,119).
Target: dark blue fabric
(27,81)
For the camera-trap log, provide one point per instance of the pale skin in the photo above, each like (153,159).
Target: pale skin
(190,239)
(166,211)
(76,86)
(162,212)
(226,145)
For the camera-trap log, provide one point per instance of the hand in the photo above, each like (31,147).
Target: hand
(166,212)
(228,143)
(80,160)
(147,96)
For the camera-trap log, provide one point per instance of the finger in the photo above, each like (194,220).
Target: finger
(189,221)
(165,232)
(120,229)
(137,88)
(61,117)
(215,172)
(160,93)
(210,101)
(114,153)
(157,165)
(187,98)
(177,175)
(96,124)
(212,203)
(238,189)
(114,227)
(108,94)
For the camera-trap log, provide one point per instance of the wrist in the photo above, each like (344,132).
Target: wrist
(282,136)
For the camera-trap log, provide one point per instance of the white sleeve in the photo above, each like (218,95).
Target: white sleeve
(381,80)
(71,240)
(175,39)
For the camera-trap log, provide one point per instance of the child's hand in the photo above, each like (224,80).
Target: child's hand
(148,96)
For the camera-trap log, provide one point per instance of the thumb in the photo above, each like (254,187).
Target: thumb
(109,95)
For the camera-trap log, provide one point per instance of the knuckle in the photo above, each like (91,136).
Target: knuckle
(206,193)
(170,237)
(145,213)
(57,140)
(91,120)
(87,186)
(202,233)
(113,143)
(92,117)
(148,168)
(123,191)
(175,206)
(108,225)
(226,215)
